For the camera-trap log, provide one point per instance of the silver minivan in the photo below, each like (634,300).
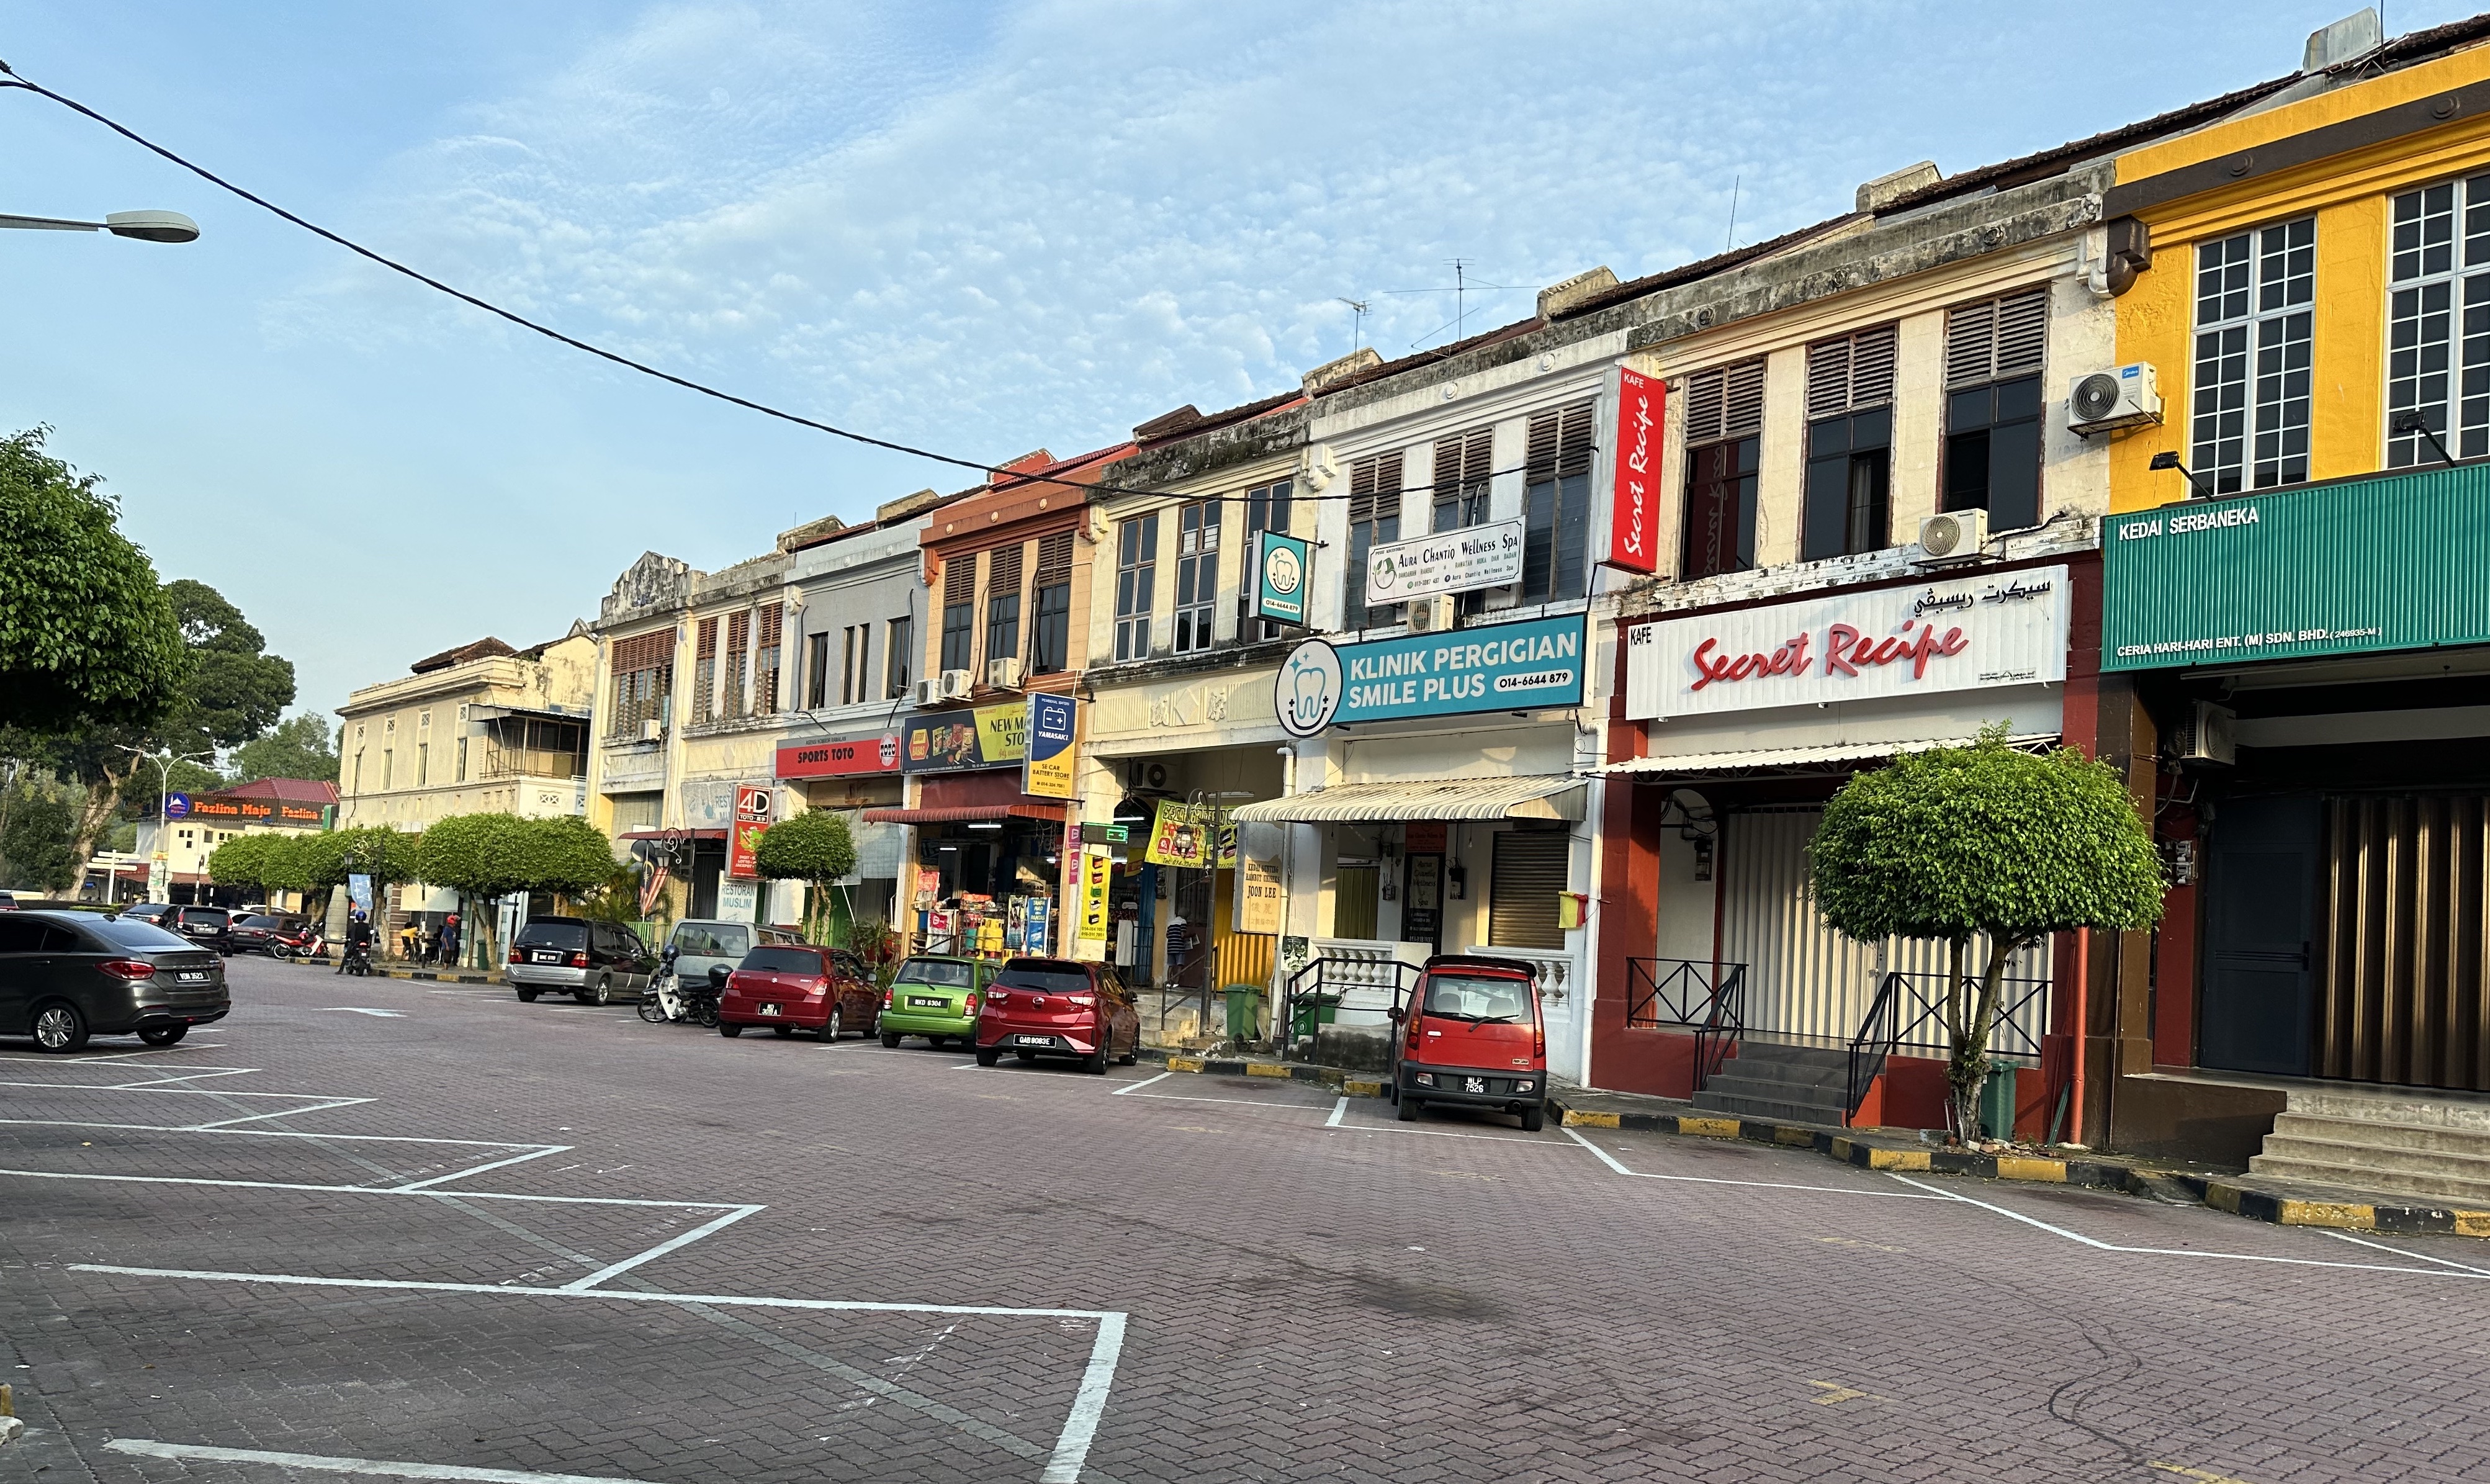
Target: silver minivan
(590,960)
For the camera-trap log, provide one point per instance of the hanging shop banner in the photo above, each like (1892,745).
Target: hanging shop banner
(1634,505)
(1497,667)
(951,741)
(1180,836)
(1284,570)
(2005,628)
(839,759)
(1052,729)
(754,806)
(1097,871)
(1484,556)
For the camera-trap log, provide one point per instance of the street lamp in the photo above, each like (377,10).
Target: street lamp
(145,226)
(164,790)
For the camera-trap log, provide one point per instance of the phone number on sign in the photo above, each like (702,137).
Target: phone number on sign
(2251,641)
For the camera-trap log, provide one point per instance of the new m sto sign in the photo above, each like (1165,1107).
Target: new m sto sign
(2382,562)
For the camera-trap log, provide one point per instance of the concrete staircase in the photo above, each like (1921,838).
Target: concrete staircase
(2410,1141)
(1794,1084)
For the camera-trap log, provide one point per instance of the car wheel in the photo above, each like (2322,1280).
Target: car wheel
(1095,1062)
(987,1056)
(526,996)
(1408,1112)
(1533,1120)
(727,1030)
(164,1035)
(890,1040)
(834,1027)
(59,1027)
(784,1031)
(604,994)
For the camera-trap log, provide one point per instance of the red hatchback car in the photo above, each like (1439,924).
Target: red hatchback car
(1053,1007)
(800,987)
(1472,1037)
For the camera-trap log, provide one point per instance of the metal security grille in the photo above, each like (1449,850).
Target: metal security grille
(2249,407)
(2406,953)
(1854,371)
(1725,402)
(1528,873)
(1997,338)
(1373,520)
(2439,278)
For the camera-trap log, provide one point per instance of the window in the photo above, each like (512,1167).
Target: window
(1556,506)
(855,663)
(900,634)
(1373,520)
(1050,640)
(2248,411)
(1463,464)
(1197,573)
(765,689)
(643,667)
(704,671)
(1267,509)
(1850,445)
(1136,564)
(1993,403)
(423,763)
(462,760)
(1725,424)
(389,757)
(817,670)
(2434,367)
(959,611)
(1003,602)
(739,660)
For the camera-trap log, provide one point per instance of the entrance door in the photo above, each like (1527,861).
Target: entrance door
(2260,994)
(1422,903)
(1356,894)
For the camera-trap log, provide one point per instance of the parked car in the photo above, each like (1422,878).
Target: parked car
(210,927)
(792,987)
(67,976)
(8,901)
(698,945)
(150,911)
(1055,1006)
(588,959)
(255,932)
(1471,1036)
(934,996)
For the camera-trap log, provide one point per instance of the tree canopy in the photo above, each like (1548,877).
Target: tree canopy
(244,859)
(234,691)
(37,845)
(87,638)
(814,846)
(494,855)
(297,748)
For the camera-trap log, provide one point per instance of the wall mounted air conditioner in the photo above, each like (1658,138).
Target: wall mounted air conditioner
(1431,613)
(2121,396)
(925,692)
(2204,735)
(652,730)
(954,685)
(1957,535)
(1003,674)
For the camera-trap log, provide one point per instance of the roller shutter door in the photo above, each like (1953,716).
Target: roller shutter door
(1529,871)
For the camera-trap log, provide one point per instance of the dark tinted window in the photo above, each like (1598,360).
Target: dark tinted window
(256,920)
(32,935)
(783,961)
(128,933)
(554,935)
(1054,978)
(933,971)
(210,917)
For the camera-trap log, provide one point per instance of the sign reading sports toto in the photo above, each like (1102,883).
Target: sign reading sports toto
(838,759)
(1633,507)
(2008,629)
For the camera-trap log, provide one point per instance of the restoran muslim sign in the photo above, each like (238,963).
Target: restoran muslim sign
(2001,628)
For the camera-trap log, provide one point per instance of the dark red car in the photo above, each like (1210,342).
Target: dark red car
(800,987)
(1058,1008)
(1472,1037)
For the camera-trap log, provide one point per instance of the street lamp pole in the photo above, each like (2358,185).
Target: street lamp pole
(163,793)
(142,226)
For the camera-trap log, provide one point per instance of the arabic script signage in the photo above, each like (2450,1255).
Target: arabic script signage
(2007,629)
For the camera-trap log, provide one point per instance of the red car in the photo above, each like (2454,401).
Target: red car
(1472,1037)
(1056,1007)
(799,987)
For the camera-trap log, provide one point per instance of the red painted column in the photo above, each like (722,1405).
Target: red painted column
(1629,906)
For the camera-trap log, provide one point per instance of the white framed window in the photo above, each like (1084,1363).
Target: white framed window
(2438,323)
(1136,564)
(1197,573)
(2257,293)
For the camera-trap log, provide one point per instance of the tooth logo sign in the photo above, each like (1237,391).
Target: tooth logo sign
(1308,689)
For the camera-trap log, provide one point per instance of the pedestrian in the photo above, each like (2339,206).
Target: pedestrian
(449,940)
(358,941)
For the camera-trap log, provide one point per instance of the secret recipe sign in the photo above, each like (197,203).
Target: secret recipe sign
(2005,628)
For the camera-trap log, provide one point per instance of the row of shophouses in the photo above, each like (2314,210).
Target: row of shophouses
(2171,445)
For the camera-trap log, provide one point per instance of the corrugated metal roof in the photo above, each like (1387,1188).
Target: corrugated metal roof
(1707,764)
(1534,796)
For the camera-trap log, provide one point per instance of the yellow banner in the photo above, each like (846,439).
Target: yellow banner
(1002,733)
(1096,867)
(1180,835)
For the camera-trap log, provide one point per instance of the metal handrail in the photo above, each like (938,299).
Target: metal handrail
(1707,996)
(1333,976)
(1904,1006)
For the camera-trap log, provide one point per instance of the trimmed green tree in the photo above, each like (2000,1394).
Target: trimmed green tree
(1983,841)
(815,847)
(477,856)
(243,861)
(566,855)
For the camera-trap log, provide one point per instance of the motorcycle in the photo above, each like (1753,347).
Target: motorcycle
(359,960)
(304,944)
(672,999)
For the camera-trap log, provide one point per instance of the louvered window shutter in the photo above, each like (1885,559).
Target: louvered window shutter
(959,579)
(1054,560)
(705,645)
(1375,488)
(1850,373)
(1997,338)
(1003,570)
(1725,402)
(772,618)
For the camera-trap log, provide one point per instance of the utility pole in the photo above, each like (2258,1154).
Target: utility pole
(1461,299)
(163,793)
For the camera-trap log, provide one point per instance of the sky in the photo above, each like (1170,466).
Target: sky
(979,228)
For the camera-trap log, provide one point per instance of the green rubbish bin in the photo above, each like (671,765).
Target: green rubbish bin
(1997,1102)
(1314,1009)
(1244,1011)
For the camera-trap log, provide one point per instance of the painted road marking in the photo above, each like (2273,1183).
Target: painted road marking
(386,1468)
(662,1248)
(2402,1252)
(1708,1180)
(1339,1111)
(1134,1086)
(361,1009)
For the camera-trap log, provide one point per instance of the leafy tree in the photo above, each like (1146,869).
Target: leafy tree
(815,847)
(38,846)
(566,854)
(243,861)
(300,748)
(293,862)
(86,636)
(1983,840)
(476,854)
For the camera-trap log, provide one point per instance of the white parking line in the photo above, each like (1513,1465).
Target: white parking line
(1134,1086)
(283,1113)
(538,1153)
(1339,1111)
(386,1468)
(662,1248)
(1605,1158)
(371,1191)
(2400,1252)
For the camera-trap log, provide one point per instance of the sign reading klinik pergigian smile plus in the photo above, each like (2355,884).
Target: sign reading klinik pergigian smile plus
(1496,667)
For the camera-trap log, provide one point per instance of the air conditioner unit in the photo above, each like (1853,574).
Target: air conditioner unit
(1957,535)
(925,692)
(2123,397)
(954,685)
(652,730)
(1431,613)
(2204,735)
(1003,674)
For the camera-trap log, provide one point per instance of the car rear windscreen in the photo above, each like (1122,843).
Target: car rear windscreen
(933,971)
(204,916)
(1054,982)
(783,961)
(130,932)
(712,940)
(553,935)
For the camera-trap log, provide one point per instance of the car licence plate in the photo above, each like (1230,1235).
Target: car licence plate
(1034,1040)
(769,1009)
(193,976)
(1475,1084)
(544,958)
(926,1002)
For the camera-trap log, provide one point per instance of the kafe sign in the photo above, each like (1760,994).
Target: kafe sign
(1499,667)
(1634,502)
(2008,629)
(1486,556)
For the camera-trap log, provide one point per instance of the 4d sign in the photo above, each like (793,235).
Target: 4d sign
(1499,667)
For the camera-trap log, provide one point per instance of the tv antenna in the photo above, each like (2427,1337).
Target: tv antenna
(1359,308)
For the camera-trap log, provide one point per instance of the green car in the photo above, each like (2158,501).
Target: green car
(936,995)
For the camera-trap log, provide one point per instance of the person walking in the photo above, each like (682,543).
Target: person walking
(449,955)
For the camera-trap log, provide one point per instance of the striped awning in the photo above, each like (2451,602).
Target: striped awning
(1828,757)
(1535,795)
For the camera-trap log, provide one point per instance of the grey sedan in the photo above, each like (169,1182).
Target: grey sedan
(66,975)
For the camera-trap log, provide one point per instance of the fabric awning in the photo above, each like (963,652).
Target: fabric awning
(963,814)
(1828,757)
(1535,795)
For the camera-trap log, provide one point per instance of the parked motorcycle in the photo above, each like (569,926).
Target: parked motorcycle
(670,998)
(305,943)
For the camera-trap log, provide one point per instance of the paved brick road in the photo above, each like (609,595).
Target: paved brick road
(1458,1301)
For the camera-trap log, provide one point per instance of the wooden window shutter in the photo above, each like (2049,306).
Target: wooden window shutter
(1725,401)
(1464,458)
(1852,373)
(1003,569)
(1560,442)
(1055,559)
(1997,338)
(1375,488)
(2022,330)
(704,644)
(644,652)
(739,630)
(772,618)
(959,579)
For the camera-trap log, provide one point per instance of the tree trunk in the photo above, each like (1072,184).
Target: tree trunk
(95,813)
(1969,1067)
(1962,1056)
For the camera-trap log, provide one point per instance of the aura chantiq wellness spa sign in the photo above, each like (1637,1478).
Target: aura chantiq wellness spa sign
(1536,662)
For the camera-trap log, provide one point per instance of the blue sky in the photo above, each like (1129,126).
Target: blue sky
(984,228)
